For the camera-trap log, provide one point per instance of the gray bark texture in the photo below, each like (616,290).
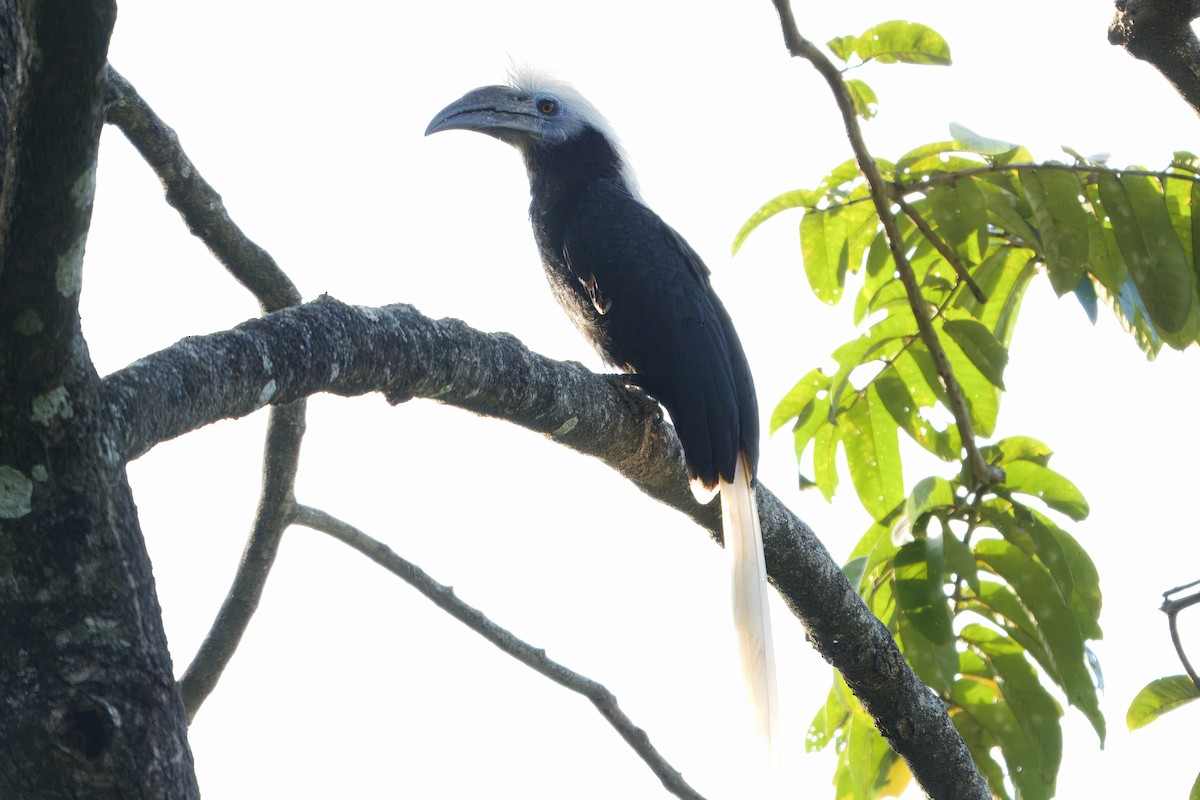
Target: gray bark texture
(88,703)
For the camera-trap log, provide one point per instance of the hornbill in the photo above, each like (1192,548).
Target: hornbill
(642,296)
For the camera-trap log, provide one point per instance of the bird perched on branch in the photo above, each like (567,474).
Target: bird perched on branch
(642,296)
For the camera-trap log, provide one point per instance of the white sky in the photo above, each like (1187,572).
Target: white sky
(310,124)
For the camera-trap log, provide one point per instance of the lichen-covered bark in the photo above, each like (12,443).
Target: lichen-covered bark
(88,703)
(327,346)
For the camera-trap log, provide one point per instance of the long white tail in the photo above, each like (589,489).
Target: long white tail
(743,541)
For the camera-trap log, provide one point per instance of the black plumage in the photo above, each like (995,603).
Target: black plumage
(643,297)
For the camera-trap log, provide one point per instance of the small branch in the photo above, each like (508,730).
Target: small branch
(275,511)
(1171,607)
(799,47)
(951,257)
(205,215)
(1160,33)
(535,658)
(953,773)
(196,201)
(1081,169)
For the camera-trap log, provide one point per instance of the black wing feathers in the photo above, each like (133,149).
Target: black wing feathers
(658,317)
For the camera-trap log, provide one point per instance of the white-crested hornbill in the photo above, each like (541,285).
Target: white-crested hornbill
(642,296)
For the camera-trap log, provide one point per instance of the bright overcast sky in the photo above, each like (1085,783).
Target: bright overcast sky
(310,124)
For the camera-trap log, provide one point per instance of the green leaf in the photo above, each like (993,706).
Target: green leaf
(866,104)
(925,151)
(915,368)
(1037,480)
(960,561)
(1105,261)
(935,664)
(864,763)
(832,716)
(799,398)
(873,454)
(946,445)
(1152,251)
(1033,584)
(854,569)
(919,570)
(980,346)
(824,459)
(822,243)
(929,496)
(961,216)
(1031,532)
(980,392)
(997,603)
(970,140)
(983,701)
(906,42)
(842,46)
(1005,212)
(981,744)
(1017,448)
(1053,196)
(1033,707)
(1086,598)
(799,198)
(1158,697)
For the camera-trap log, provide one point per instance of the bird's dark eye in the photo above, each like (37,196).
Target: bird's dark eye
(547,106)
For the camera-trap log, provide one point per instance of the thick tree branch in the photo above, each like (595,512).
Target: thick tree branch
(534,658)
(1160,33)
(326,346)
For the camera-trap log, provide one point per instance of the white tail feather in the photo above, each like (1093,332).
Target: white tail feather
(751,616)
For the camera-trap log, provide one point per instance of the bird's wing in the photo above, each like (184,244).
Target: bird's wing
(662,320)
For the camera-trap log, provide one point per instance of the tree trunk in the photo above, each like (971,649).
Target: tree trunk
(90,704)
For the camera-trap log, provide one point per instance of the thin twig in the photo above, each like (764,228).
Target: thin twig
(276,508)
(985,474)
(205,215)
(535,658)
(940,178)
(1171,607)
(943,248)
(196,201)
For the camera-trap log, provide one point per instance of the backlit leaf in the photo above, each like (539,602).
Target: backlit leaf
(799,398)
(1054,198)
(873,454)
(1152,251)
(961,217)
(907,42)
(1037,480)
(980,346)
(798,198)
(919,580)
(1033,584)
(865,101)
(1158,697)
